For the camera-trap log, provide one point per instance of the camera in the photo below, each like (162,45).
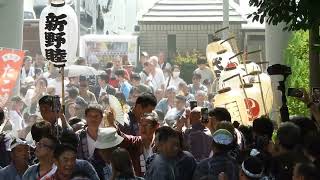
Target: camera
(204,115)
(56,105)
(316,94)
(279,69)
(193,104)
(295,92)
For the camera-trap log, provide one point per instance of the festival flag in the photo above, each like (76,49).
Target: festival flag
(10,65)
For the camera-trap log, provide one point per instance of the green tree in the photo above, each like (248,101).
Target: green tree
(187,63)
(298,15)
(296,56)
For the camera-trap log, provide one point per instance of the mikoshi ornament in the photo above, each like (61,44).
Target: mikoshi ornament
(233,100)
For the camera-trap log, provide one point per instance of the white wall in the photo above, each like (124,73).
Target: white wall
(122,17)
(114,20)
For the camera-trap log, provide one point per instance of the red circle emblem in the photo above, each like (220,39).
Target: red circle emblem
(253,108)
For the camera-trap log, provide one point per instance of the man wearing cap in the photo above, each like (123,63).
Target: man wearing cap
(139,147)
(220,114)
(205,72)
(220,162)
(107,141)
(15,114)
(196,84)
(198,138)
(19,160)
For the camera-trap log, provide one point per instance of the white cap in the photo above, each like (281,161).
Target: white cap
(16,142)
(108,138)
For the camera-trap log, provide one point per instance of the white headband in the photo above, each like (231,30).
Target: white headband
(249,174)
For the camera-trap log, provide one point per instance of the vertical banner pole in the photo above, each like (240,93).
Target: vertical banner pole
(62,89)
(262,96)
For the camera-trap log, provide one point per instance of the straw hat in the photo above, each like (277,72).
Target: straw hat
(108,138)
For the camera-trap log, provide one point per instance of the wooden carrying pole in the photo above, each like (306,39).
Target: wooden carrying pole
(62,89)
(257,73)
(220,30)
(262,96)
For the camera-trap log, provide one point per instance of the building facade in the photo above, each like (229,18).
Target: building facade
(173,26)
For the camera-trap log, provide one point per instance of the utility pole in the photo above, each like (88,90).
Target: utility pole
(94,17)
(225,18)
(79,24)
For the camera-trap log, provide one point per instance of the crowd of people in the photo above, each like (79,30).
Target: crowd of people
(166,137)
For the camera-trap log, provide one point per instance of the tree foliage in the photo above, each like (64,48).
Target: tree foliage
(187,63)
(297,14)
(297,56)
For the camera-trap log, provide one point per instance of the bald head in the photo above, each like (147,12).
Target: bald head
(195,115)
(161,58)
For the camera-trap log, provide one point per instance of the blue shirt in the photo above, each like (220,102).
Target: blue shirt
(161,168)
(162,106)
(125,88)
(81,165)
(198,140)
(211,168)
(179,168)
(10,173)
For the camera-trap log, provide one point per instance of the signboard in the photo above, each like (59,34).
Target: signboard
(10,64)
(103,48)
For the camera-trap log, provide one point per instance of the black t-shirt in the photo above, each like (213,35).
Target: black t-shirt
(4,154)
